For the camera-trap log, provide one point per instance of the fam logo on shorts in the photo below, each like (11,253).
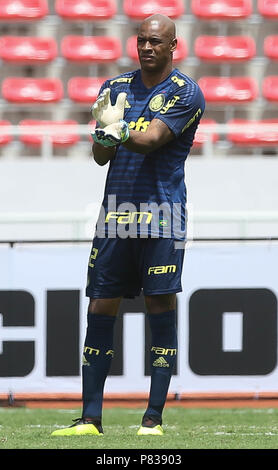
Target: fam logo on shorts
(157,102)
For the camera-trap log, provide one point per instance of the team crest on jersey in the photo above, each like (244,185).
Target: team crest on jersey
(157,102)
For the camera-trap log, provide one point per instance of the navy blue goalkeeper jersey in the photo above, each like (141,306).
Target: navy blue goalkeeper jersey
(145,194)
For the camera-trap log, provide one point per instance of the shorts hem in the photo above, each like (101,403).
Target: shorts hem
(166,291)
(94,295)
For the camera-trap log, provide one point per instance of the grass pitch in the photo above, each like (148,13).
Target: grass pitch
(244,428)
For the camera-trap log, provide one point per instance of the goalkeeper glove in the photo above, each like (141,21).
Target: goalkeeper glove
(103,111)
(112,135)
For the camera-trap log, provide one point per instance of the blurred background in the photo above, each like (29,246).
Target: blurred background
(55,54)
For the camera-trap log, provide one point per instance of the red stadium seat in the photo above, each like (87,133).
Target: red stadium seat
(258,136)
(271,47)
(18,10)
(31,50)
(32,90)
(91,125)
(89,10)
(84,89)
(225,48)
(63,137)
(201,136)
(221,9)
(229,89)
(138,10)
(6,137)
(268,9)
(179,54)
(91,48)
(270,88)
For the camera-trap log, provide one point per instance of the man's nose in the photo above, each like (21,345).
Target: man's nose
(147,45)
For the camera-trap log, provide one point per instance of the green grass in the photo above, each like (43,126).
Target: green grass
(24,428)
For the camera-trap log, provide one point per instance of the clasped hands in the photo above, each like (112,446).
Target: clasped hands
(113,129)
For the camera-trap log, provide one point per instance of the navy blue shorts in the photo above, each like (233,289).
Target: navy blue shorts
(123,267)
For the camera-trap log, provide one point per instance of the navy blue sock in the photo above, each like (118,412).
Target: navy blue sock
(163,358)
(97,356)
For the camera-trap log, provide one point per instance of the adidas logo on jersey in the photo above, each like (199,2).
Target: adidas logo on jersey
(84,361)
(160,362)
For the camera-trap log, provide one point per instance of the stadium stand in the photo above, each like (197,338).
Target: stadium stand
(91,49)
(268,8)
(201,136)
(270,88)
(6,137)
(89,10)
(84,89)
(12,10)
(138,10)
(179,55)
(271,47)
(222,10)
(225,48)
(91,126)
(32,90)
(31,50)
(229,89)
(61,138)
(254,136)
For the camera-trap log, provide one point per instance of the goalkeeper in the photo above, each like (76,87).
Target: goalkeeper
(146,122)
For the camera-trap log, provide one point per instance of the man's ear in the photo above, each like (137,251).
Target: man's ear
(173,46)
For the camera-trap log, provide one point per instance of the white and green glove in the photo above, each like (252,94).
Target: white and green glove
(103,111)
(113,129)
(112,135)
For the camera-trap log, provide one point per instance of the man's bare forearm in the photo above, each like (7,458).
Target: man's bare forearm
(157,134)
(140,143)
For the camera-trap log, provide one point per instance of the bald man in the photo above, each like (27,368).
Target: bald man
(140,235)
